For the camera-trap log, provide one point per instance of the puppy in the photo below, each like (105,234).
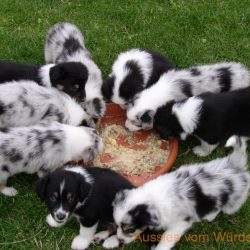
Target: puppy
(65,43)
(25,103)
(210,117)
(43,148)
(85,193)
(132,72)
(174,201)
(179,84)
(69,77)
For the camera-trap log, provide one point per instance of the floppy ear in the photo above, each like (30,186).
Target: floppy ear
(41,186)
(84,189)
(148,116)
(107,87)
(144,215)
(56,73)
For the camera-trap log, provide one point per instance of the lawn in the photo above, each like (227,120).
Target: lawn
(188,32)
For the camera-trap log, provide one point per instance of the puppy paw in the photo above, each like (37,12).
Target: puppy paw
(198,150)
(96,108)
(51,221)
(101,236)
(9,191)
(111,242)
(80,243)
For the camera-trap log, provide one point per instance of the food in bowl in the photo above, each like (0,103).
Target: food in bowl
(131,153)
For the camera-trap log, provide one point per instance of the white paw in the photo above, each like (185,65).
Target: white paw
(40,174)
(9,191)
(80,243)
(50,220)
(198,150)
(111,242)
(101,236)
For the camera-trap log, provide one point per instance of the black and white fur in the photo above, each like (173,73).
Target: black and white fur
(132,72)
(65,43)
(86,194)
(174,201)
(211,117)
(69,77)
(43,148)
(24,103)
(179,84)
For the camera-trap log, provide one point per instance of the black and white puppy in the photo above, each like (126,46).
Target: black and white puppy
(174,201)
(132,72)
(85,193)
(43,148)
(211,117)
(24,103)
(69,77)
(65,43)
(179,84)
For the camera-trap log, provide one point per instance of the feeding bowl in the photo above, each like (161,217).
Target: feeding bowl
(116,115)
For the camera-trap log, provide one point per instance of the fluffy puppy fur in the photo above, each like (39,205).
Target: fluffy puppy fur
(69,77)
(84,193)
(43,148)
(25,103)
(65,43)
(132,72)
(174,201)
(180,84)
(211,117)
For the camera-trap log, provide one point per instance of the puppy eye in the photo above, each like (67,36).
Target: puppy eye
(53,198)
(130,230)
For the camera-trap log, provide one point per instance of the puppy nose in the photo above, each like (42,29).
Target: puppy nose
(61,216)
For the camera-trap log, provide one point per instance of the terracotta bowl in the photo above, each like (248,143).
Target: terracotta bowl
(116,115)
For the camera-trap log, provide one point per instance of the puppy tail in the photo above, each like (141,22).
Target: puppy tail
(239,155)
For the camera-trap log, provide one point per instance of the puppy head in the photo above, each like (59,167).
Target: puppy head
(71,78)
(166,122)
(141,120)
(62,191)
(132,217)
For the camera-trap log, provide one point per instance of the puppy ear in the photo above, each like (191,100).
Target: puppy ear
(84,189)
(56,73)
(107,87)
(41,186)
(148,116)
(144,215)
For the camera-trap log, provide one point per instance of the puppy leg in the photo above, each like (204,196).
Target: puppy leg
(84,239)
(111,242)
(103,235)
(177,230)
(204,149)
(51,222)
(8,191)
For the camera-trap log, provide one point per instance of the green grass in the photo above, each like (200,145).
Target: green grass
(189,32)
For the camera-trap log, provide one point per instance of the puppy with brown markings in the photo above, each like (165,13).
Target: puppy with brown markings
(69,77)
(86,194)
(175,201)
(42,148)
(65,43)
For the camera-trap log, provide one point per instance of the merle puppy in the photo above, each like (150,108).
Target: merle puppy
(65,43)
(85,193)
(175,201)
(211,117)
(43,148)
(176,85)
(25,103)
(132,72)
(69,77)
